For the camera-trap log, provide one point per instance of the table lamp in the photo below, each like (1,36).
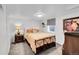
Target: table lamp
(18,27)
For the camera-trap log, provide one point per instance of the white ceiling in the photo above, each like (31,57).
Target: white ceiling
(28,10)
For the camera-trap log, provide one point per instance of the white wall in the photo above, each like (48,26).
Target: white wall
(59,30)
(4,39)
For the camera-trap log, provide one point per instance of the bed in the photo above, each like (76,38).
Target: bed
(39,41)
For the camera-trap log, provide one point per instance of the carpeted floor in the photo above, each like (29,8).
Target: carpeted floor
(24,49)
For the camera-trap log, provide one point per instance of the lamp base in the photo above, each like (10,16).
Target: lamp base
(18,33)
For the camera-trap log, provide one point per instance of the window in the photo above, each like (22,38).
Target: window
(51,28)
(51,25)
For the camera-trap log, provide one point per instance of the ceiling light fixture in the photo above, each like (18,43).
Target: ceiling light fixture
(39,14)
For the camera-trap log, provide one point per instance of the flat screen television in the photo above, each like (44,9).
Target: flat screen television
(71,24)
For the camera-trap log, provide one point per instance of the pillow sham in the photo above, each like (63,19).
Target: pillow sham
(32,30)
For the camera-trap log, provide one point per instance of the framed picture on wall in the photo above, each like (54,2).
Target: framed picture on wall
(71,24)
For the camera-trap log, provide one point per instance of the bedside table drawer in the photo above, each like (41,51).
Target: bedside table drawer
(19,38)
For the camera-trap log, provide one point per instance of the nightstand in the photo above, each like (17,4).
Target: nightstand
(19,38)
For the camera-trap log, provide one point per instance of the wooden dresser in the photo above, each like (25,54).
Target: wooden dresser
(71,44)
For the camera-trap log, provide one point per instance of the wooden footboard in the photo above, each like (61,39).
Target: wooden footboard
(43,44)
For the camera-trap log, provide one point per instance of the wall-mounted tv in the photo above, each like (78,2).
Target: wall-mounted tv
(71,24)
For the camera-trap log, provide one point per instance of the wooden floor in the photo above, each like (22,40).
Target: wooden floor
(24,49)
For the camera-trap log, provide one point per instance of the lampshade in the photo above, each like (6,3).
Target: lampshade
(18,26)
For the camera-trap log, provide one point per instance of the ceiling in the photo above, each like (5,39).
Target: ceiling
(28,10)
